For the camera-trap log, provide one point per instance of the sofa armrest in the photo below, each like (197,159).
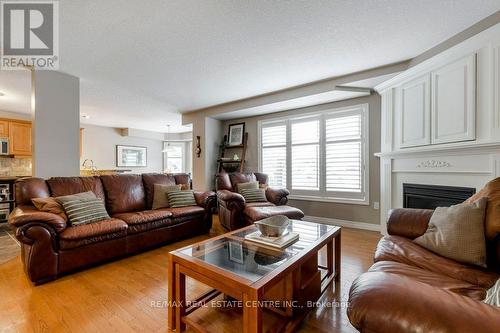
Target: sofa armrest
(408,222)
(277,196)
(383,302)
(230,200)
(205,199)
(23,215)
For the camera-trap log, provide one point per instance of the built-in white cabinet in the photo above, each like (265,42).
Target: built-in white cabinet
(415,112)
(453,102)
(438,107)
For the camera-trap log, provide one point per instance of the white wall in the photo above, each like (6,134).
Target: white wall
(56,121)
(99,144)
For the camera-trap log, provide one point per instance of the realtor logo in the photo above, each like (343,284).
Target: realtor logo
(30,34)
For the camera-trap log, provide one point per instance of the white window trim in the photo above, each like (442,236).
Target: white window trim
(335,197)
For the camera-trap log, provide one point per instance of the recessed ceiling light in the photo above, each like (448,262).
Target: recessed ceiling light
(85,116)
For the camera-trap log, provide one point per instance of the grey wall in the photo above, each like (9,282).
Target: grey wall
(99,145)
(350,212)
(56,140)
(213,138)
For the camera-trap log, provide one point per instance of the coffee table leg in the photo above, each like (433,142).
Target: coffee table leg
(337,256)
(171,295)
(252,314)
(180,299)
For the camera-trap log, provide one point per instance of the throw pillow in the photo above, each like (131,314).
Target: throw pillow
(83,208)
(254,195)
(160,199)
(249,185)
(181,199)
(457,232)
(492,218)
(49,205)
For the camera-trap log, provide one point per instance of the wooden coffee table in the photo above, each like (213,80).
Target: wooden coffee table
(261,278)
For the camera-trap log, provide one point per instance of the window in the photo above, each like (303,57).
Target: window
(175,157)
(319,157)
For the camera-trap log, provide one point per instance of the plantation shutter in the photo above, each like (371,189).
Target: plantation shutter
(344,164)
(305,154)
(273,141)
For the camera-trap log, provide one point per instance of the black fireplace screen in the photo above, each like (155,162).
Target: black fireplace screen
(432,196)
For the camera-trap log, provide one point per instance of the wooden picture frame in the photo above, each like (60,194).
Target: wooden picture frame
(236,134)
(131,156)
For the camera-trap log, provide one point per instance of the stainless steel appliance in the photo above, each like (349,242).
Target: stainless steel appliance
(4,146)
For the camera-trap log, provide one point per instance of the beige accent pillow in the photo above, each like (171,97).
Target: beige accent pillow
(49,205)
(160,199)
(247,186)
(457,232)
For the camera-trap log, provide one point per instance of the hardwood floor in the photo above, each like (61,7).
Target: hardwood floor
(130,295)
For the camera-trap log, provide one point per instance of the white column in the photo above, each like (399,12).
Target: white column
(56,124)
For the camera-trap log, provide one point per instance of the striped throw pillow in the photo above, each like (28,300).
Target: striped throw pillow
(254,195)
(83,211)
(181,199)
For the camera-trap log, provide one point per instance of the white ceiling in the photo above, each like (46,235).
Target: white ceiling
(143,62)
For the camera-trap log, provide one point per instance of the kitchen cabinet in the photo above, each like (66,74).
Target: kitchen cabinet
(415,112)
(454,101)
(4,128)
(20,139)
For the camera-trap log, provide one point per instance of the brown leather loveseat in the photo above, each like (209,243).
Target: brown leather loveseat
(411,289)
(50,247)
(235,213)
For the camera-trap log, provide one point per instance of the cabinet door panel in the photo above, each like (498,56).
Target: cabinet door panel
(454,102)
(415,113)
(20,138)
(4,129)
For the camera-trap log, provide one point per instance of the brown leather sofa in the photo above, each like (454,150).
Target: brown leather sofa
(410,289)
(235,213)
(50,248)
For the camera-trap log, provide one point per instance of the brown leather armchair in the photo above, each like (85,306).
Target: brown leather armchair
(411,289)
(235,213)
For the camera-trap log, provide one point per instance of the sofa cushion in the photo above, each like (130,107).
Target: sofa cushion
(81,210)
(124,193)
(492,218)
(254,213)
(160,198)
(145,220)
(29,188)
(254,195)
(457,232)
(80,235)
(150,179)
(49,205)
(431,278)
(403,250)
(238,177)
(178,199)
(185,211)
(143,216)
(61,186)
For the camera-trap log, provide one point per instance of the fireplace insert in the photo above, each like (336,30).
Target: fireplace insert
(432,196)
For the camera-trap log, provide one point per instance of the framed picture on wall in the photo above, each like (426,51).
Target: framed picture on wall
(131,156)
(236,134)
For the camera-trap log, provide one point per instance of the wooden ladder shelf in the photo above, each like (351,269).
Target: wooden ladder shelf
(221,161)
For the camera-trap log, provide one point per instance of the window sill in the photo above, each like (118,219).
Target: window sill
(363,202)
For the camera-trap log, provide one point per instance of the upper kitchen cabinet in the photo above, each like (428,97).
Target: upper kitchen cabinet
(20,138)
(4,128)
(453,106)
(415,112)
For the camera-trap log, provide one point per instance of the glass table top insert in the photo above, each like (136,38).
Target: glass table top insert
(250,260)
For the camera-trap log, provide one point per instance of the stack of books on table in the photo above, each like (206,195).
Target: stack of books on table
(277,242)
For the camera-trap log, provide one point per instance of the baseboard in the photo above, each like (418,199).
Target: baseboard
(344,223)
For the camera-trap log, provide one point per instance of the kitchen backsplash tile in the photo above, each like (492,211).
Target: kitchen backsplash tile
(15,166)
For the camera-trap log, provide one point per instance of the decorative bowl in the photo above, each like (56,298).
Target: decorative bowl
(273,226)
